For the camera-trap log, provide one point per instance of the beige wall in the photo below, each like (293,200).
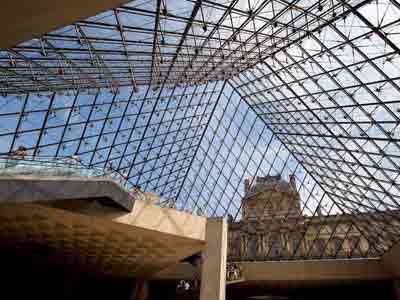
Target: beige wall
(296,271)
(167,220)
(213,272)
(370,269)
(63,193)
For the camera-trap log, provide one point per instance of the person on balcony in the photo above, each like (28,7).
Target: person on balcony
(21,152)
(135,191)
(76,159)
(14,156)
(73,165)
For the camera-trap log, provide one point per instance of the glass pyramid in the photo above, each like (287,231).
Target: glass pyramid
(188,99)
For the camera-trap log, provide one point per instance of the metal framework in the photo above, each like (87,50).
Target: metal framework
(188,98)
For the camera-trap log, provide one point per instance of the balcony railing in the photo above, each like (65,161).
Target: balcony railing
(14,165)
(60,166)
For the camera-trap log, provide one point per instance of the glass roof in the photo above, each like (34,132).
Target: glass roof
(189,98)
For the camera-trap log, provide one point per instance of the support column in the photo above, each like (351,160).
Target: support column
(213,273)
(391,260)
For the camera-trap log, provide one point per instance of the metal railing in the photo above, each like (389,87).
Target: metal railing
(56,166)
(18,165)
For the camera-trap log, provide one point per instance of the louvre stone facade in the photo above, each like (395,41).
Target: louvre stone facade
(273,226)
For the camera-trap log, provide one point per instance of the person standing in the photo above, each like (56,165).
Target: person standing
(21,152)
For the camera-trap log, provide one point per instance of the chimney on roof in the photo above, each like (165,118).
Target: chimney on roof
(319,212)
(292,181)
(247,182)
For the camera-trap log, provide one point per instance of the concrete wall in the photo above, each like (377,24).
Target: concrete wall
(284,271)
(61,192)
(98,245)
(21,189)
(167,220)
(356,269)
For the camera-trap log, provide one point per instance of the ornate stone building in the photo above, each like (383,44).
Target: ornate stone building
(274,227)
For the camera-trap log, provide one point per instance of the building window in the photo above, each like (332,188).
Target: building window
(296,246)
(274,246)
(253,212)
(337,243)
(252,246)
(319,247)
(355,246)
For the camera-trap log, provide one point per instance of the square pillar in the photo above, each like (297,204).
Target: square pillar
(213,273)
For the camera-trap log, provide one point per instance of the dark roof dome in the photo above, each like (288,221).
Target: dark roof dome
(268,183)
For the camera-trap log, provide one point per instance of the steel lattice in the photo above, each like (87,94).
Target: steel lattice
(189,98)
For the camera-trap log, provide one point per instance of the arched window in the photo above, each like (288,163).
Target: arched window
(234,247)
(337,245)
(296,245)
(269,207)
(355,246)
(252,246)
(275,246)
(278,204)
(253,212)
(319,247)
